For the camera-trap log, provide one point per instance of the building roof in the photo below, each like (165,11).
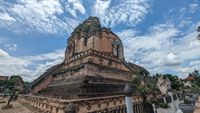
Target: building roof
(4,77)
(190,77)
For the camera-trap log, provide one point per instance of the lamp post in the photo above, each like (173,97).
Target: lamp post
(128,98)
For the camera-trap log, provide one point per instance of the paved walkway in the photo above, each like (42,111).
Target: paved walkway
(17,108)
(197,106)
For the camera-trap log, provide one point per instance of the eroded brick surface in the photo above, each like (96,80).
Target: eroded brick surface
(94,65)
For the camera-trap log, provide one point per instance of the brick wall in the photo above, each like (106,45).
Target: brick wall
(92,105)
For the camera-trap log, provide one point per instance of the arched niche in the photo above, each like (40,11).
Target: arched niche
(118,49)
(70,49)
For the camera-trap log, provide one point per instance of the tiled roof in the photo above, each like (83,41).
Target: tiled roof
(189,78)
(4,77)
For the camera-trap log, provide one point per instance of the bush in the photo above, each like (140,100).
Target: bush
(164,105)
(187,101)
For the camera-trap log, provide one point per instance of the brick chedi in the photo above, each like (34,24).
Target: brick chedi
(94,65)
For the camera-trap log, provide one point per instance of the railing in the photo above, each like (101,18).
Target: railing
(168,99)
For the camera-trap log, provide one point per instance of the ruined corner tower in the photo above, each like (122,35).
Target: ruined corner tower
(94,65)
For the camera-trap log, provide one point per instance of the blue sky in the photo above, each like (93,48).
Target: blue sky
(159,35)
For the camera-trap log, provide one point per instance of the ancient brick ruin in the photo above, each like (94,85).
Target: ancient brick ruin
(94,65)
(110,104)
(91,78)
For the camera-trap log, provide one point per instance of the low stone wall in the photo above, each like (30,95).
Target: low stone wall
(108,104)
(174,105)
(43,104)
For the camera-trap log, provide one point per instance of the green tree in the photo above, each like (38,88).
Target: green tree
(196,73)
(157,76)
(137,81)
(15,78)
(12,82)
(11,92)
(197,79)
(176,83)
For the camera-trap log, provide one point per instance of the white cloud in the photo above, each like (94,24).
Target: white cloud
(156,40)
(193,7)
(11,46)
(41,9)
(163,47)
(74,6)
(168,47)
(171,56)
(129,11)
(172,60)
(101,6)
(29,67)
(159,50)
(188,47)
(3,53)
(6,17)
(184,15)
(41,16)
(195,62)
(187,70)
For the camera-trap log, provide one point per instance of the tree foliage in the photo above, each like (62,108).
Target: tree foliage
(195,73)
(145,84)
(176,83)
(163,105)
(3,82)
(136,81)
(13,80)
(196,81)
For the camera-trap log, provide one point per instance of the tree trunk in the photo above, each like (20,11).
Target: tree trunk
(11,97)
(9,100)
